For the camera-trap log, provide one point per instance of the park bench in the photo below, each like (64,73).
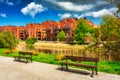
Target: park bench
(24,56)
(77,61)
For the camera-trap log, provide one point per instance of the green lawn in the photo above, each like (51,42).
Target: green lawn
(103,66)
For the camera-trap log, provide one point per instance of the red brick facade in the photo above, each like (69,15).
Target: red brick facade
(47,30)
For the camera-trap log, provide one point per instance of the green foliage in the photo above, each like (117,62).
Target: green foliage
(8,52)
(46,58)
(31,40)
(30,47)
(61,35)
(60,56)
(83,30)
(2,50)
(110,31)
(117,4)
(109,67)
(109,27)
(7,40)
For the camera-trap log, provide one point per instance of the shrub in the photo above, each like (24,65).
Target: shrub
(60,56)
(35,53)
(31,40)
(61,36)
(30,46)
(7,52)
(7,40)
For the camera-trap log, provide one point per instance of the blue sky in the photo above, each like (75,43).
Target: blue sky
(22,12)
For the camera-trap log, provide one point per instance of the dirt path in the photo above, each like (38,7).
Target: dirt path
(12,70)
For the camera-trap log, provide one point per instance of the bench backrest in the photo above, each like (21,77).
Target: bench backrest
(25,53)
(77,58)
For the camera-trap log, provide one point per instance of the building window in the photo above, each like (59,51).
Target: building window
(64,26)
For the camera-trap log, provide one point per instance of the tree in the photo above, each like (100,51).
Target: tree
(61,35)
(109,27)
(83,30)
(110,39)
(116,3)
(110,33)
(7,40)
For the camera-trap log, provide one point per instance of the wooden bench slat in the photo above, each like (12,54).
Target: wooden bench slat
(76,58)
(82,65)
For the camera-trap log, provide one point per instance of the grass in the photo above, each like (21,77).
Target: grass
(59,47)
(109,67)
(41,57)
(103,66)
(46,58)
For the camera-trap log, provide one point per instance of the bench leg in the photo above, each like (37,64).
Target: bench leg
(96,71)
(92,72)
(15,58)
(19,59)
(62,67)
(66,67)
(26,60)
(31,60)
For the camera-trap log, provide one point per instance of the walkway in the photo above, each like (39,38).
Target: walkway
(12,70)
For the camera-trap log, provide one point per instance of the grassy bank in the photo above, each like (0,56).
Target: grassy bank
(103,66)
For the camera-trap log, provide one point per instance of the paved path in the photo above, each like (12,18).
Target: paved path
(12,70)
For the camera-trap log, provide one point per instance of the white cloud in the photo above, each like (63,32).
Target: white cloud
(101,2)
(32,9)
(100,13)
(95,14)
(65,15)
(3,15)
(78,16)
(73,7)
(9,3)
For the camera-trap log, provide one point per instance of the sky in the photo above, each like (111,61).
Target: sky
(22,12)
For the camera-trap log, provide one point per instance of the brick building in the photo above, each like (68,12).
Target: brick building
(47,30)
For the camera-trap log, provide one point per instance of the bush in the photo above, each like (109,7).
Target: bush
(8,51)
(60,56)
(30,46)
(7,40)
(31,40)
(61,36)
(35,53)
